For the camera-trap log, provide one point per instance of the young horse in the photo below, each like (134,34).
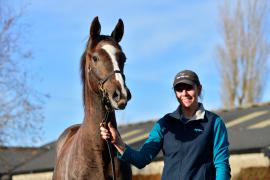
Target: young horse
(81,153)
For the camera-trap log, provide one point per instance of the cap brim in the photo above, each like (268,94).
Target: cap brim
(184,81)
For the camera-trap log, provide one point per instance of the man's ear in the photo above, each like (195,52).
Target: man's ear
(199,90)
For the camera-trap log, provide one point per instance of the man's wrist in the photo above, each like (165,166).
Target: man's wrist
(120,147)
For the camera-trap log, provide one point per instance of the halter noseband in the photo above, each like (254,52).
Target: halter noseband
(102,81)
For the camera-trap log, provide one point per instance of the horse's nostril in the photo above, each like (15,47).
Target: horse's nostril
(116,95)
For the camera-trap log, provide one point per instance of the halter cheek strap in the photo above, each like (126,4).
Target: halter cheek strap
(102,81)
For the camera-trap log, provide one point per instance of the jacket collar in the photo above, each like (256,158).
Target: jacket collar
(199,114)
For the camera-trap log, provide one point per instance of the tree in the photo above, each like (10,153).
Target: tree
(21,106)
(242,57)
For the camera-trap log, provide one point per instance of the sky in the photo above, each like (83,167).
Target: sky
(161,38)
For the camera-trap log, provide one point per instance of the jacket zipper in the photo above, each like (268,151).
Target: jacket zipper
(182,151)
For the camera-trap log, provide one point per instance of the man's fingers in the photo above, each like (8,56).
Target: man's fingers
(105,134)
(110,125)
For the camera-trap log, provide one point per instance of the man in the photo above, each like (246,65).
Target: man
(194,141)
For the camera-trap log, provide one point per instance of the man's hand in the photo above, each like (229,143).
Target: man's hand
(111,134)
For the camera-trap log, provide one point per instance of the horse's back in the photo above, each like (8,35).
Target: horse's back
(65,136)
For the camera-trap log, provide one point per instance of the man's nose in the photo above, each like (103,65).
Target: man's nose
(184,91)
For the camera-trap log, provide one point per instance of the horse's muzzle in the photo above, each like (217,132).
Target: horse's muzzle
(119,99)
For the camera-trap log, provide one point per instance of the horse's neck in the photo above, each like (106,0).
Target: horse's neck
(94,109)
(94,114)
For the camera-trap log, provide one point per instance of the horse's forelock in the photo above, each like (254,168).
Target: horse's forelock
(91,44)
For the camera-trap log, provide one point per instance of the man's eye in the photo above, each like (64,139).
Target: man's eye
(184,87)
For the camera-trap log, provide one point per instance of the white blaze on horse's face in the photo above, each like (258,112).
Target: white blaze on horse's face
(111,50)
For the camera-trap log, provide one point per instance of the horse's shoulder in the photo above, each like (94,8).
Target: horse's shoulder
(66,135)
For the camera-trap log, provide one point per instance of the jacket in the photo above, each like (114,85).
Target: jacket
(192,149)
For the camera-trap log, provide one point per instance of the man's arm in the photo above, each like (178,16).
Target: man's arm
(221,151)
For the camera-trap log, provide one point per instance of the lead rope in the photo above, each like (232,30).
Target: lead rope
(108,108)
(109,144)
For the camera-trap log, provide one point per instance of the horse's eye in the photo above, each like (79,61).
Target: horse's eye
(95,58)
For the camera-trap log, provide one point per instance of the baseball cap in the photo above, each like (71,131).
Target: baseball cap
(186,77)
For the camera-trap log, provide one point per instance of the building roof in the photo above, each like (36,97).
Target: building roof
(13,157)
(41,162)
(248,130)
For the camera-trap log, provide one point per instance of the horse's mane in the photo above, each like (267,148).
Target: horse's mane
(83,61)
(90,44)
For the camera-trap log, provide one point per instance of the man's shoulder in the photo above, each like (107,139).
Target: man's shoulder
(164,120)
(211,115)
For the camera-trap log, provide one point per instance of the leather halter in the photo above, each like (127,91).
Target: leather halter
(101,82)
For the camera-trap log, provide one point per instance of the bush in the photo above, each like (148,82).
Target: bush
(146,177)
(254,173)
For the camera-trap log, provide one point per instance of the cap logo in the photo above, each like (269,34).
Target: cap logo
(182,76)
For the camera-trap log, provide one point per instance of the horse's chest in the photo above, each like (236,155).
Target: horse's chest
(83,166)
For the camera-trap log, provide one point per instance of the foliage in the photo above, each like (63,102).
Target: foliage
(242,58)
(21,106)
(146,177)
(254,173)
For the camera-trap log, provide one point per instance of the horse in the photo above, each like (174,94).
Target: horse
(81,153)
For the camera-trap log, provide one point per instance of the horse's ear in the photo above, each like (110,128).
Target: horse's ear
(118,31)
(95,28)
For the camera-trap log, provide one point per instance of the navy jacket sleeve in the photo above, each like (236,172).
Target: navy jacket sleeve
(140,158)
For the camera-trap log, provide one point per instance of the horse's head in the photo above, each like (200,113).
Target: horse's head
(102,65)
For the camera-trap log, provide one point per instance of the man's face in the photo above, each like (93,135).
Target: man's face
(187,94)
